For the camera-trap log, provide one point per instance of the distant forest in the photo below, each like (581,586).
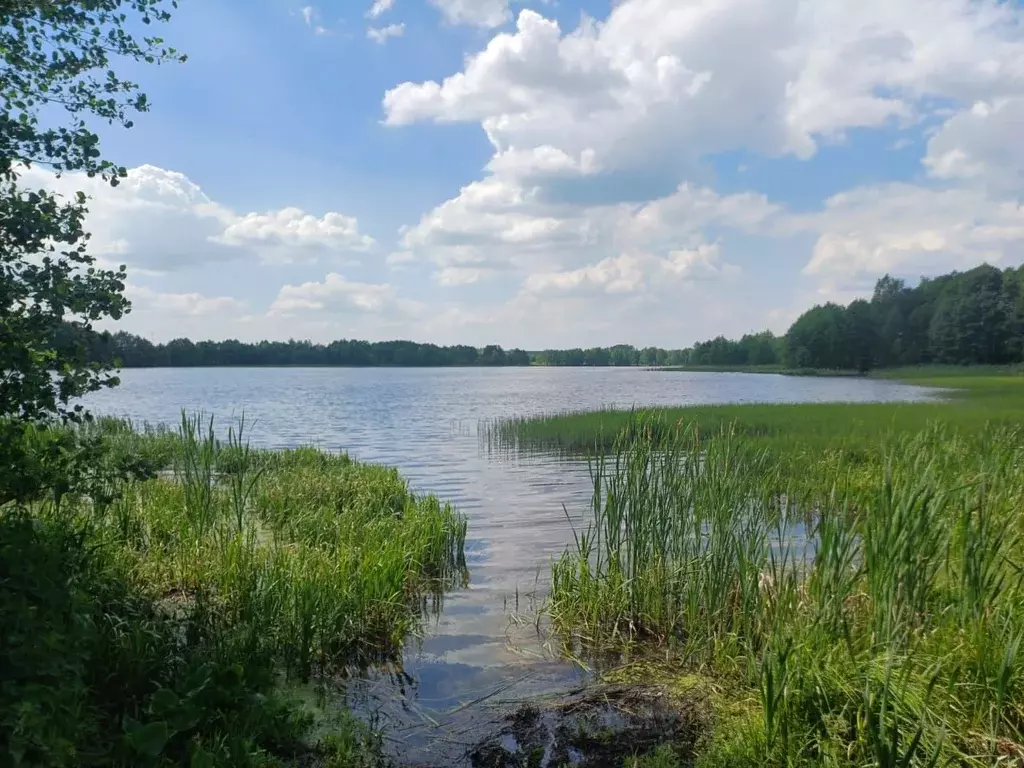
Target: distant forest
(963,318)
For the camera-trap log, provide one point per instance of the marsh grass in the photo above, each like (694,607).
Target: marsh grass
(969,401)
(259,567)
(867,603)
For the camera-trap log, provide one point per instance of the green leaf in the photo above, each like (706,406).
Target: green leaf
(164,701)
(149,739)
(201,759)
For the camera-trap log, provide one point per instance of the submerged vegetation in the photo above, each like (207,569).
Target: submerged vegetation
(844,581)
(156,617)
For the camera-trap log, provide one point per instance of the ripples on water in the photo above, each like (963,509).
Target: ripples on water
(424,421)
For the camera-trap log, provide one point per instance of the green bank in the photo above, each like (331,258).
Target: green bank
(842,583)
(168,590)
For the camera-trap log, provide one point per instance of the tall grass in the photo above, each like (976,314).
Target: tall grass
(971,402)
(256,565)
(870,603)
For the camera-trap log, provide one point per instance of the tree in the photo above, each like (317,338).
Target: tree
(56,57)
(817,339)
(861,346)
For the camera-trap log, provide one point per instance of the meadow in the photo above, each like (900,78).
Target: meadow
(160,603)
(843,582)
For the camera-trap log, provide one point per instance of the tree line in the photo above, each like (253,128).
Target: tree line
(962,318)
(131,351)
(973,317)
(136,352)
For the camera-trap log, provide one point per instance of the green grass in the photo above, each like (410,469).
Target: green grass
(153,621)
(894,639)
(849,576)
(974,401)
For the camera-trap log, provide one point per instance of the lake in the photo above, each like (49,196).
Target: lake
(424,421)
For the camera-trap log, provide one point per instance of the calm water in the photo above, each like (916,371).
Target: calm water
(424,421)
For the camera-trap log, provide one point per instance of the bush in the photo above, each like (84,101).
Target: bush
(96,673)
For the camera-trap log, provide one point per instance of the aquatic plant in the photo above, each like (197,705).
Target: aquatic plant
(869,602)
(176,608)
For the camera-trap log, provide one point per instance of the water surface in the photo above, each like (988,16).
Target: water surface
(424,421)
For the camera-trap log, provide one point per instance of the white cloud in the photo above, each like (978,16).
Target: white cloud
(146,299)
(501,224)
(906,229)
(477,13)
(633,273)
(338,299)
(312,18)
(291,227)
(981,143)
(453,276)
(659,85)
(379,8)
(542,161)
(380,35)
(660,75)
(594,219)
(160,221)
(617,274)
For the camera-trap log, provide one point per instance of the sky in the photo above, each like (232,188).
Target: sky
(557,173)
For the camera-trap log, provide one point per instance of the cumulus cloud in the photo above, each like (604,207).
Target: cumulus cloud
(981,144)
(291,227)
(500,224)
(380,35)
(907,229)
(596,214)
(663,74)
(160,220)
(477,13)
(657,87)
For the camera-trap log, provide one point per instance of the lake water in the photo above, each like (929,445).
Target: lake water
(424,421)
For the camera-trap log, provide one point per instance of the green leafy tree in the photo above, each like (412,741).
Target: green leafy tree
(817,339)
(861,328)
(56,58)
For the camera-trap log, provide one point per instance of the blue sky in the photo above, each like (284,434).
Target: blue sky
(559,173)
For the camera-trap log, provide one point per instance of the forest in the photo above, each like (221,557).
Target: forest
(962,318)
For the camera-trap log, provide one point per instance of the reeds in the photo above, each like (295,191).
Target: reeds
(870,602)
(310,558)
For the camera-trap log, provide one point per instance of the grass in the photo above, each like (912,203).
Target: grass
(974,400)
(873,612)
(849,576)
(155,622)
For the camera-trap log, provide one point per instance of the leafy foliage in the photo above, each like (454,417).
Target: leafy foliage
(152,624)
(55,58)
(963,318)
